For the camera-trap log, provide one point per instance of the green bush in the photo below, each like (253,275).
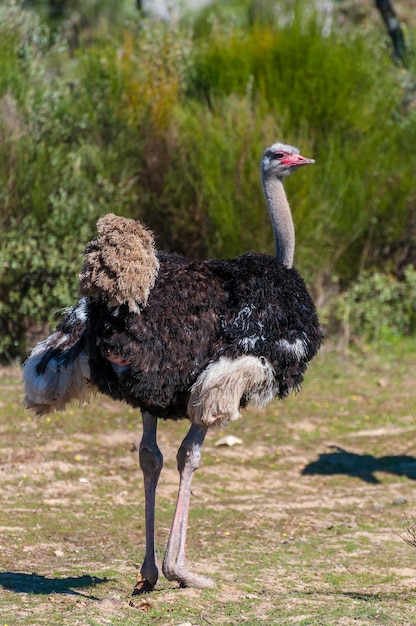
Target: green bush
(379,307)
(76,142)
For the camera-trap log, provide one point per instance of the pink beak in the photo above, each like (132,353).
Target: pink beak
(295,160)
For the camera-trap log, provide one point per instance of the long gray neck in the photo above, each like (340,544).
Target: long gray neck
(281,218)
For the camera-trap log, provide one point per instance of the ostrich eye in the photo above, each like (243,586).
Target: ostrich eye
(279,155)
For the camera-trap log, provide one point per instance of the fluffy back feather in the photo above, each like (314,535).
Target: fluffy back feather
(120,264)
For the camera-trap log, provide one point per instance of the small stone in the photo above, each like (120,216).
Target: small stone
(229,440)
(399,500)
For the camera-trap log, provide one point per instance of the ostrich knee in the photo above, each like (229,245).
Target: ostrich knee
(151,460)
(188,455)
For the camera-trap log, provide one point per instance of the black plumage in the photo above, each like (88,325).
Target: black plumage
(196,313)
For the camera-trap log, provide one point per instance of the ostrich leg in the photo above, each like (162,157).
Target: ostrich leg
(188,458)
(151,462)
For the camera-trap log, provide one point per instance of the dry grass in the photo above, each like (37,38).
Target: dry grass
(298,525)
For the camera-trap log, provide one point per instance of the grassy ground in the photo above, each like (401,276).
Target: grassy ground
(300,524)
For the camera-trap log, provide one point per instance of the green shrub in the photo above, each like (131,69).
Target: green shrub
(379,307)
(37,269)
(76,142)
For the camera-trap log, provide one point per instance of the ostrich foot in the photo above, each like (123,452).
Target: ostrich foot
(187,579)
(142,586)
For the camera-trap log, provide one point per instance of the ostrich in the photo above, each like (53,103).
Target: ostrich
(178,338)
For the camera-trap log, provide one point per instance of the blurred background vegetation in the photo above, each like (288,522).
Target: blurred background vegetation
(106,107)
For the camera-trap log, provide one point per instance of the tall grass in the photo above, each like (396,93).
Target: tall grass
(340,99)
(165,124)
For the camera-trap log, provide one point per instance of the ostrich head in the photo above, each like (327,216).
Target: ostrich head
(280,160)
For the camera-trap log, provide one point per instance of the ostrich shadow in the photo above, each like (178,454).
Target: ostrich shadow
(33,583)
(362,466)
(376,596)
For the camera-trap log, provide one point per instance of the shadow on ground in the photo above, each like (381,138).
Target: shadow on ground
(377,596)
(33,583)
(363,466)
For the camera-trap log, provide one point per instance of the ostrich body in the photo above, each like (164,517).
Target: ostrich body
(179,338)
